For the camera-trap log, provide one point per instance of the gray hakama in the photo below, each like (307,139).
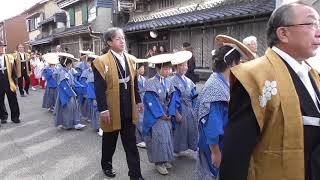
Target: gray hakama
(94,116)
(85,108)
(159,138)
(139,136)
(49,98)
(91,99)
(84,105)
(69,115)
(185,134)
(139,125)
(50,94)
(202,171)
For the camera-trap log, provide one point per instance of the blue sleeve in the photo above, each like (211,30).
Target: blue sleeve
(77,83)
(65,92)
(214,125)
(194,96)
(66,88)
(47,74)
(79,72)
(175,102)
(193,93)
(91,91)
(152,111)
(151,102)
(83,81)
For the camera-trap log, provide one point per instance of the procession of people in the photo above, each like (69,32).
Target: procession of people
(254,118)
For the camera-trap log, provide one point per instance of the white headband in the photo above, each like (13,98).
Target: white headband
(234,47)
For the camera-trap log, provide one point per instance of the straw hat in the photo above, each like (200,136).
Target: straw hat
(181,57)
(140,60)
(68,56)
(65,54)
(92,56)
(245,52)
(51,58)
(86,53)
(161,58)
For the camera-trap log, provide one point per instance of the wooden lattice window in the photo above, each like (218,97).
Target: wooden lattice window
(165,3)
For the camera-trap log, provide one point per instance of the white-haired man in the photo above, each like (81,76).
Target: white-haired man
(251,43)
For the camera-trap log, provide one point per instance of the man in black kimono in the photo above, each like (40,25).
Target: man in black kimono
(118,97)
(23,68)
(7,86)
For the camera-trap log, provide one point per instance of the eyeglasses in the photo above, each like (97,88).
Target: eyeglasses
(315,25)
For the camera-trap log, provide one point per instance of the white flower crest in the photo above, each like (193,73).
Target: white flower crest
(269,90)
(106,68)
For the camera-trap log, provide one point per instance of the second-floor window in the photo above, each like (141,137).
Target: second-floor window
(85,13)
(72,16)
(92,10)
(165,3)
(33,23)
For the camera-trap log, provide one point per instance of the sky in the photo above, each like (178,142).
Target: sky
(10,8)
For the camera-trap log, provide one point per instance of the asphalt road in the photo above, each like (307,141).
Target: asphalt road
(35,149)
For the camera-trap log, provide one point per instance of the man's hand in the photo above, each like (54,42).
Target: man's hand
(178,116)
(105,116)
(215,155)
(140,107)
(166,118)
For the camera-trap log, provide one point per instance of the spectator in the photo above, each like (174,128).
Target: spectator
(251,43)
(191,63)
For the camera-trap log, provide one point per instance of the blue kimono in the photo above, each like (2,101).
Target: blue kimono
(212,116)
(50,94)
(158,131)
(47,73)
(67,111)
(91,98)
(80,67)
(185,134)
(78,87)
(84,106)
(139,125)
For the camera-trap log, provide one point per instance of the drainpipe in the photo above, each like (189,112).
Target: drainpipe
(97,35)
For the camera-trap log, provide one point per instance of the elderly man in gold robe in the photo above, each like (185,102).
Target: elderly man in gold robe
(274,118)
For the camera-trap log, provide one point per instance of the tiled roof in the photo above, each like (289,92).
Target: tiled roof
(82,29)
(65,3)
(50,19)
(57,17)
(99,3)
(216,13)
(73,31)
(42,41)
